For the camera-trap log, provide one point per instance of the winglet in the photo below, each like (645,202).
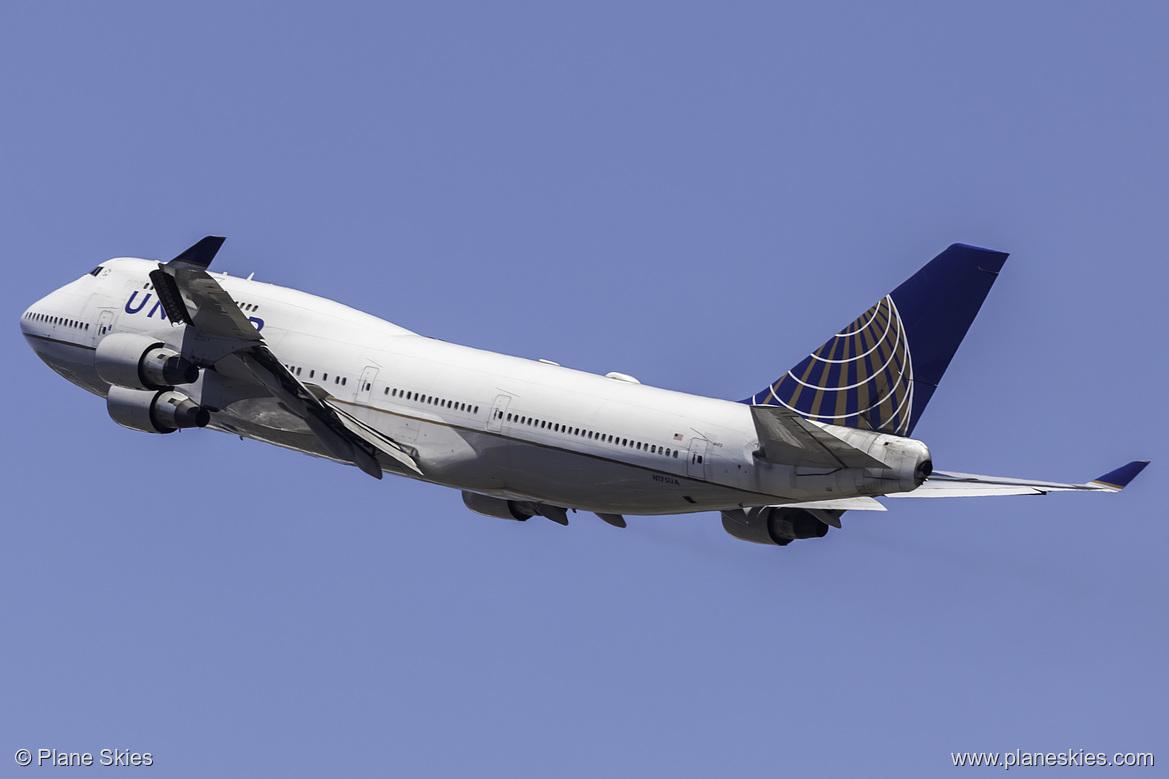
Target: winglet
(1120,478)
(200,255)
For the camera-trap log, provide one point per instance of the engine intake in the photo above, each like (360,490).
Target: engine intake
(154,411)
(141,363)
(775,524)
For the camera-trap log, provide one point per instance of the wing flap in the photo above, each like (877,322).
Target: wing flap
(375,438)
(215,314)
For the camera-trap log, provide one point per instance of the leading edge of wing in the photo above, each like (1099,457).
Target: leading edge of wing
(948,484)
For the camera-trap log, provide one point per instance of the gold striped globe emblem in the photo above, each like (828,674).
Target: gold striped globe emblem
(862,377)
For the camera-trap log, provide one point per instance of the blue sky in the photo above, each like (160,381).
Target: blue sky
(695,194)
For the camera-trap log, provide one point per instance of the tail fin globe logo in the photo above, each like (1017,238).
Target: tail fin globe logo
(862,377)
(867,376)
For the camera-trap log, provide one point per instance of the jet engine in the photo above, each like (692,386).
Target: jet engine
(497,507)
(154,411)
(142,363)
(776,524)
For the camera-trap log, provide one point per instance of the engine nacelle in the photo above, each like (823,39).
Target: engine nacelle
(154,411)
(141,363)
(497,507)
(776,524)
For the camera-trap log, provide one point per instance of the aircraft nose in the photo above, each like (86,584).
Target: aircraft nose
(29,318)
(38,320)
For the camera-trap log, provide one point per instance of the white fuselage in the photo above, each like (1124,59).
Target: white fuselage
(476,420)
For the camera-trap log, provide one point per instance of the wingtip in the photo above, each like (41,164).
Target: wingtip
(1122,476)
(201,253)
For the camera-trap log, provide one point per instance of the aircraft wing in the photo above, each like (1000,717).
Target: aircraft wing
(219,332)
(787,438)
(943,484)
(858,503)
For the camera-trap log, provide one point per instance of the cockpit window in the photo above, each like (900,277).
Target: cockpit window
(96,271)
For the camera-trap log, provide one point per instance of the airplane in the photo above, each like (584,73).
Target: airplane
(171,345)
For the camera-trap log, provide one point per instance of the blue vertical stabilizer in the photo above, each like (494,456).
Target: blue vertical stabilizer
(881,371)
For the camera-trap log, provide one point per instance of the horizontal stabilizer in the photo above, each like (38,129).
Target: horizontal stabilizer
(943,484)
(786,438)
